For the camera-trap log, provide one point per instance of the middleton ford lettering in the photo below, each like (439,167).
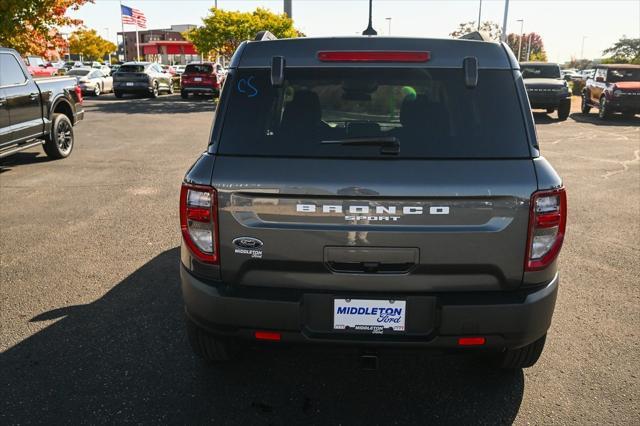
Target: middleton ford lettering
(372,213)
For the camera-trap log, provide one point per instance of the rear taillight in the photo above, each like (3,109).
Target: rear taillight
(199,221)
(78,91)
(547,224)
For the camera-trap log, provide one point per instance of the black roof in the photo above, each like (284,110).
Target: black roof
(619,66)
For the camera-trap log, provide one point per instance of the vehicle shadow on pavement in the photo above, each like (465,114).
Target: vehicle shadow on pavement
(614,120)
(22,158)
(125,358)
(544,118)
(171,104)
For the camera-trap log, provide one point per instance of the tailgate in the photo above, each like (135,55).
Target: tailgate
(445,225)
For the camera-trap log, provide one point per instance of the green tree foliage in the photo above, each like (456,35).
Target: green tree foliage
(488,27)
(624,51)
(537,47)
(90,45)
(222,30)
(30,26)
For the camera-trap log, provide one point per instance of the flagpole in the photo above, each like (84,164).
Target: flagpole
(124,38)
(137,44)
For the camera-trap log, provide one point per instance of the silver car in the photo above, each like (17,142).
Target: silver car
(92,80)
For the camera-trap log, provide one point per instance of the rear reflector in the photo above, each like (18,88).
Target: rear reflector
(267,335)
(471,341)
(373,56)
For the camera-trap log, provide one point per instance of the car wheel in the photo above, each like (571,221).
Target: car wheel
(604,109)
(584,107)
(208,347)
(523,357)
(564,109)
(184,95)
(59,143)
(97,91)
(117,94)
(155,92)
(171,90)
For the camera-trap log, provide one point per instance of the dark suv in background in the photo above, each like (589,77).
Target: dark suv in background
(142,78)
(372,192)
(546,88)
(613,88)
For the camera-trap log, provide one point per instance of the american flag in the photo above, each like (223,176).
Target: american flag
(133,16)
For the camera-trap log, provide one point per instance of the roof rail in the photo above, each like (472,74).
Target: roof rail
(476,35)
(264,35)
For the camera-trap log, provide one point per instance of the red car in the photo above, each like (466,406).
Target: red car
(201,78)
(37,67)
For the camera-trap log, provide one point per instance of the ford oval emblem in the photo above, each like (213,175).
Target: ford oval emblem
(247,243)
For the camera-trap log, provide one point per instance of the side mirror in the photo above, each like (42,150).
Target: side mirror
(600,79)
(470,66)
(277,71)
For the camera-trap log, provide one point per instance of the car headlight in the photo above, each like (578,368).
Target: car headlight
(618,92)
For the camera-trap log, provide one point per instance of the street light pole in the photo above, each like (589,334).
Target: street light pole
(582,48)
(288,8)
(479,14)
(520,39)
(504,20)
(389,21)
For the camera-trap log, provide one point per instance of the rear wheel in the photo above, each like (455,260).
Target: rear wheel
(59,143)
(184,94)
(155,92)
(604,109)
(564,109)
(97,90)
(118,94)
(209,348)
(523,357)
(550,110)
(584,107)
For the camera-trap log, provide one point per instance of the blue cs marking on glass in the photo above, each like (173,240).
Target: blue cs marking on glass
(246,86)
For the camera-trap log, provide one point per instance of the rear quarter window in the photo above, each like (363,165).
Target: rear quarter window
(429,111)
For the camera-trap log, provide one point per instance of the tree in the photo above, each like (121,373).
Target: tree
(223,30)
(626,50)
(90,45)
(488,27)
(537,47)
(30,26)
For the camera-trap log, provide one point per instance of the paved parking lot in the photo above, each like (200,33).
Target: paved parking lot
(91,314)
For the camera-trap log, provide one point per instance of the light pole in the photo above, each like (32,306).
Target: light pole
(520,39)
(389,22)
(479,14)
(503,37)
(582,48)
(288,8)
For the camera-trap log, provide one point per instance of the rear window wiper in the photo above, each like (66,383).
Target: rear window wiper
(390,144)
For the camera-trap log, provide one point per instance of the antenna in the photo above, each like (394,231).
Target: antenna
(370,31)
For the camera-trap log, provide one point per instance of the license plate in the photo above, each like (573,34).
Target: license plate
(197,79)
(129,83)
(372,316)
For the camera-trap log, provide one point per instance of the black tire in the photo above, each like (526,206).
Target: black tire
(210,348)
(171,87)
(97,91)
(584,106)
(564,109)
(155,92)
(524,357)
(184,94)
(118,94)
(59,143)
(604,113)
(550,110)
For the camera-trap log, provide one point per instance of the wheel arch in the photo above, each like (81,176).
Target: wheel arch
(62,106)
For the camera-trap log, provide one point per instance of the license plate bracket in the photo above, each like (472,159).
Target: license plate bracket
(376,316)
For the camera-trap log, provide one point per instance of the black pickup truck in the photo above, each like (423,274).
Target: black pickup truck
(36,112)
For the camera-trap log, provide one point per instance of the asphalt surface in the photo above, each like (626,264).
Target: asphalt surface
(91,313)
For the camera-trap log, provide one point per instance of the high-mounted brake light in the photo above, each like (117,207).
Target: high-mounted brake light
(373,56)
(547,225)
(199,221)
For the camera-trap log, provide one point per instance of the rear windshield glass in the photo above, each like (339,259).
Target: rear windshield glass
(351,112)
(540,71)
(198,69)
(78,72)
(131,68)
(623,75)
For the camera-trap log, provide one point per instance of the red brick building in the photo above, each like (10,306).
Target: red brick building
(166,46)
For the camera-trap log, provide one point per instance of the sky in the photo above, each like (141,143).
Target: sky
(563,24)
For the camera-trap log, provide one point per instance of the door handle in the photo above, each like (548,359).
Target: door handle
(33,96)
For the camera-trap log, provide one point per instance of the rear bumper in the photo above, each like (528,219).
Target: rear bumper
(544,102)
(506,320)
(197,89)
(629,103)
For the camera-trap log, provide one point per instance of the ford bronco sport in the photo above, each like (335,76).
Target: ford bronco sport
(372,192)
(546,88)
(613,88)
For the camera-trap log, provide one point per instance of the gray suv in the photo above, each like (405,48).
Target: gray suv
(372,192)
(141,78)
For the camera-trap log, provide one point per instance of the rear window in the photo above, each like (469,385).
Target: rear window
(540,71)
(131,68)
(198,69)
(349,112)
